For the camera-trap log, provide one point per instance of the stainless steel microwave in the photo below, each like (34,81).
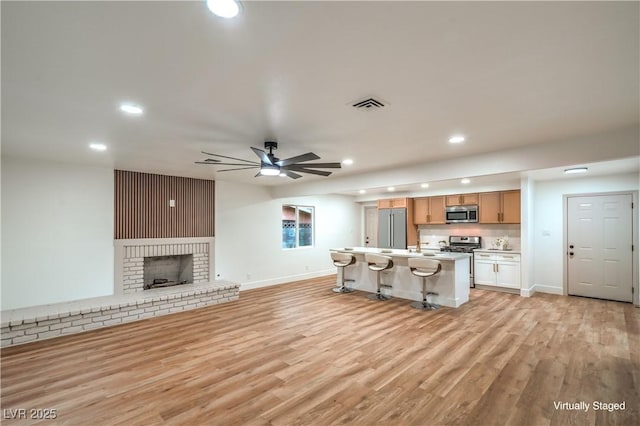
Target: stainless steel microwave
(461,214)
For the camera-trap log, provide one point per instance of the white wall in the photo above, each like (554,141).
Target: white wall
(57,232)
(527,248)
(547,272)
(248,235)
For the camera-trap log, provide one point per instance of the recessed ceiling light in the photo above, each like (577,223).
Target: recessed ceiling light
(465,181)
(347,161)
(456,139)
(98,146)
(576,170)
(224,8)
(424,185)
(132,109)
(391,189)
(363,191)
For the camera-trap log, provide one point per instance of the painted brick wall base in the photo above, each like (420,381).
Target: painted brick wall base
(109,312)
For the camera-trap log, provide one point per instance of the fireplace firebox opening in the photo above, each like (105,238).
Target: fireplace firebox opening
(165,271)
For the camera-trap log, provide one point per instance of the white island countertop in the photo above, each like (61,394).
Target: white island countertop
(451,284)
(438,255)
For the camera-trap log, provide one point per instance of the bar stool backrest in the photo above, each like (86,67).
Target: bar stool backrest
(424,267)
(378,262)
(342,259)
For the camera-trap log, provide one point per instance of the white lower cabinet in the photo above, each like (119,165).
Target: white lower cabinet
(496,269)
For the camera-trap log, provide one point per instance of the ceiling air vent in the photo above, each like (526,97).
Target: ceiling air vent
(369,104)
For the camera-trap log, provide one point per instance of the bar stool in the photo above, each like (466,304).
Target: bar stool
(342,260)
(424,268)
(379,264)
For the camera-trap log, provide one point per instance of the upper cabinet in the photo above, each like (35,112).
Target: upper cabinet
(499,207)
(393,203)
(462,199)
(429,210)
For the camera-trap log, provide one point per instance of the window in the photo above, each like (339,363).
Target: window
(297,226)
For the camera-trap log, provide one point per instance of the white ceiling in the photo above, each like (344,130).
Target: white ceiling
(505,74)
(602,168)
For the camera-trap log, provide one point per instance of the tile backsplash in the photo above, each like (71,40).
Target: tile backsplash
(431,235)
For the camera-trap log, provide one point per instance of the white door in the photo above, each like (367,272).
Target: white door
(599,255)
(370,227)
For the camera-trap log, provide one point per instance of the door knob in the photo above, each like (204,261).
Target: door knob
(570,253)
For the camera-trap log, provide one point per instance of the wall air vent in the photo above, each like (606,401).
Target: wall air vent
(369,104)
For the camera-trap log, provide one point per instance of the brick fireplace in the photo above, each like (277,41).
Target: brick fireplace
(130,259)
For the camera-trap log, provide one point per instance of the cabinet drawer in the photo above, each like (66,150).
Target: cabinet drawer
(507,257)
(484,256)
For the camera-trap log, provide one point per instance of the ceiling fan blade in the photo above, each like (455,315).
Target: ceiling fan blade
(226,164)
(302,169)
(230,158)
(240,168)
(298,159)
(290,174)
(261,155)
(323,165)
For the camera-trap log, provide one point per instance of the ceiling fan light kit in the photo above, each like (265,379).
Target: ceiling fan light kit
(269,170)
(270,165)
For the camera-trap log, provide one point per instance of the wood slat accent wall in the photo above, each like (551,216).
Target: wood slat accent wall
(142,206)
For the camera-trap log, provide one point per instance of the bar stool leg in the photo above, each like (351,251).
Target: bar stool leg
(430,306)
(422,305)
(425,305)
(378,295)
(343,288)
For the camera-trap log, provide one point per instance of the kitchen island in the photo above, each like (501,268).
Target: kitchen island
(452,283)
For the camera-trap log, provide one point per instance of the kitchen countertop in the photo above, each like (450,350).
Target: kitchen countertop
(450,285)
(497,251)
(438,255)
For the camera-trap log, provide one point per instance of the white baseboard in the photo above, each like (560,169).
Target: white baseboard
(527,292)
(539,288)
(286,279)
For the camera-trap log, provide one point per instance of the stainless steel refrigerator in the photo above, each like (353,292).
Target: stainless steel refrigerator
(392,228)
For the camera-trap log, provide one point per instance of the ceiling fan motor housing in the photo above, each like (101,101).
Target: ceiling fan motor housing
(271,145)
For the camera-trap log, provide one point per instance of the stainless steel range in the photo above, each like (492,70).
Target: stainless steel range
(464,244)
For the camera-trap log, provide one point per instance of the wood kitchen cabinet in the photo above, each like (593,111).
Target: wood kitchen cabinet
(393,203)
(499,207)
(429,211)
(462,199)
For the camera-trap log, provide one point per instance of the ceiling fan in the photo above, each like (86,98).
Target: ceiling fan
(270,165)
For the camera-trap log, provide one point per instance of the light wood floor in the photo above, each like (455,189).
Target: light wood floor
(298,354)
